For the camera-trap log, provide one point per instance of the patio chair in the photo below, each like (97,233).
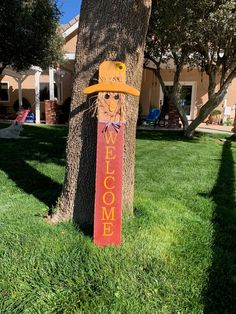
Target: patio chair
(153,116)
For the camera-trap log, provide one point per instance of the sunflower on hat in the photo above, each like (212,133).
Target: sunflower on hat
(112,77)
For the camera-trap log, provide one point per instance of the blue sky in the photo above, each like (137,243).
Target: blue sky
(69,9)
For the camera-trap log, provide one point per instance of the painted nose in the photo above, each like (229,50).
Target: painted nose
(112,105)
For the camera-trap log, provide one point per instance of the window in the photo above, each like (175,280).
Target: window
(187,96)
(4,91)
(44,91)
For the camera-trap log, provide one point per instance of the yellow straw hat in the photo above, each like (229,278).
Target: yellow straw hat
(112,77)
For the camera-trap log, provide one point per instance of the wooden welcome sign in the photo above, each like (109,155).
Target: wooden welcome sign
(110,102)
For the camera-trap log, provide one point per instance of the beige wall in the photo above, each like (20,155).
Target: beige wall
(28,92)
(70,42)
(231,96)
(151,92)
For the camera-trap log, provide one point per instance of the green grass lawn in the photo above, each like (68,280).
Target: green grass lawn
(178,253)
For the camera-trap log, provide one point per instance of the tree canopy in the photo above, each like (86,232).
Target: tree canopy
(29,33)
(169,43)
(195,35)
(215,51)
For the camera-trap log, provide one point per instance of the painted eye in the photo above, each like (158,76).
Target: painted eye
(117,96)
(107,96)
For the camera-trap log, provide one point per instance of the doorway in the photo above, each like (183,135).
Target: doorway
(187,97)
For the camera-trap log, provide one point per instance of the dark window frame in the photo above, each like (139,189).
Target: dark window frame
(5,89)
(44,92)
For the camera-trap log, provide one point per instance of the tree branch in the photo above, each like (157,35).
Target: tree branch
(158,72)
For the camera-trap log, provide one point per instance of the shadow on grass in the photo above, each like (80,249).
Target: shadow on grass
(220,294)
(159,135)
(46,145)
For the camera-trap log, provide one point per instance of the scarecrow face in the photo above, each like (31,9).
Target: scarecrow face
(110,106)
(111,90)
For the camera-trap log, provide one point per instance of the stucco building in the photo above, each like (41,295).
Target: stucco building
(36,86)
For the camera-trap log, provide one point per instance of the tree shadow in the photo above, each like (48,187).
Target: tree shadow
(220,293)
(97,36)
(46,145)
(167,135)
(84,198)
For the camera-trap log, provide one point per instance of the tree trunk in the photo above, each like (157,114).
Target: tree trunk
(108,30)
(173,116)
(215,98)
(172,95)
(182,115)
(203,113)
(205,110)
(176,90)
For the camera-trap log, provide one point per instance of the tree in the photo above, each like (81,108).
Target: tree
(169,45)
(215,52)
(194,34)
(29,33)
(113,30)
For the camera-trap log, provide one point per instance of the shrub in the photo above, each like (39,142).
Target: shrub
(228,122)
(215,112)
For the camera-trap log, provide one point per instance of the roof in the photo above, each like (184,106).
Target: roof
(18,75)
(71,26)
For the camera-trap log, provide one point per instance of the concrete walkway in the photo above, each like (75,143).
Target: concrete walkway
(213,128)
(210,128)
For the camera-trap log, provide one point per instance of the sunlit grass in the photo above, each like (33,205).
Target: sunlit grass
(168,250)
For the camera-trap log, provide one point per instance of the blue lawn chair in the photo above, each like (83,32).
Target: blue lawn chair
(30,118)
(153,116)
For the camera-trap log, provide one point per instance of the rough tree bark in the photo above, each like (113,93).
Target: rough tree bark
(108,30)
(204,111)
(214,99)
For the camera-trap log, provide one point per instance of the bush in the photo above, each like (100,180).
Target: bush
(215,112)
(228,122)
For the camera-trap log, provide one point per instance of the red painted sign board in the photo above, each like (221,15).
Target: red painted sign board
(22,115)
(108,197)
(110,104)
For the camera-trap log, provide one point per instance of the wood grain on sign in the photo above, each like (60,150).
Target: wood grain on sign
(110,103)
(108,200)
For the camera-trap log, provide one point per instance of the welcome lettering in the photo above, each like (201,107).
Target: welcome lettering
(109,197)
(107,222)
